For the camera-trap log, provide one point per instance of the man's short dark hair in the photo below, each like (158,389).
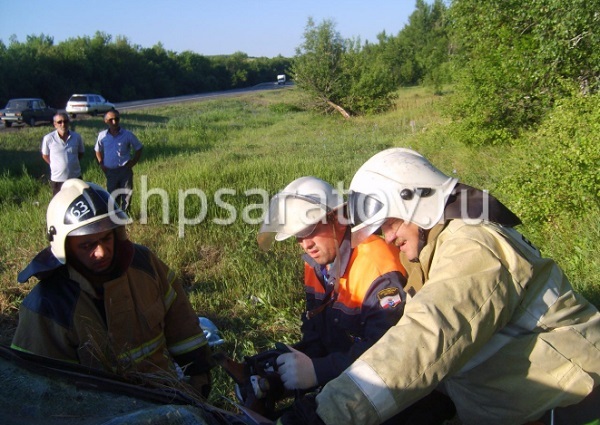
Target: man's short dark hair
(114,111)
(63,115)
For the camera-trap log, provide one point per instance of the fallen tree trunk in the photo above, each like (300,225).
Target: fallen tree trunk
(338,108)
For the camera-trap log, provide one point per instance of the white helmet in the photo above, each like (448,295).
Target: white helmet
(398,183)
(80,208)
(296,210)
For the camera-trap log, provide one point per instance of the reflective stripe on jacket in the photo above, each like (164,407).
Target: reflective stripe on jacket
(496,324)
(369,299)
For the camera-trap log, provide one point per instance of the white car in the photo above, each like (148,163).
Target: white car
(91,104)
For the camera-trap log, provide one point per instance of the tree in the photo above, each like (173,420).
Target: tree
(340,74)
(317,66)
(237,66)
(423,42)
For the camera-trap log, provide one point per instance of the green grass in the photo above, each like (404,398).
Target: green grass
(255,141)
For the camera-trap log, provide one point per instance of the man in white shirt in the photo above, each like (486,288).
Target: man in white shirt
(62,149)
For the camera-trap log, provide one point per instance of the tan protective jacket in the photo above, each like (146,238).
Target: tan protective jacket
(143,322)
(499,327)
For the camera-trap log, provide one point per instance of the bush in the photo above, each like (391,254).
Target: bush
(558,174)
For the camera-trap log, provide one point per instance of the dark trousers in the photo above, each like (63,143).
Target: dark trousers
(120,179)
(56,186)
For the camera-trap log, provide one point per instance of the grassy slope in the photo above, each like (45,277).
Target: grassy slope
(257,141)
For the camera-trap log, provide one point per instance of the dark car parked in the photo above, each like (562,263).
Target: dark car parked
(28,110)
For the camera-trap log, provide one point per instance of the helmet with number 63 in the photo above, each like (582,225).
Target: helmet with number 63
(397,183)
(81,208)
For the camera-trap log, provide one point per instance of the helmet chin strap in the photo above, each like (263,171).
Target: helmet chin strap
(421,244)
(338,267)
(337,273)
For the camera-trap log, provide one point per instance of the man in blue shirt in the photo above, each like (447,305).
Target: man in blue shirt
(117,151)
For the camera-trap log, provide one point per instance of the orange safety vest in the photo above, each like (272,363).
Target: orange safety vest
(368,261)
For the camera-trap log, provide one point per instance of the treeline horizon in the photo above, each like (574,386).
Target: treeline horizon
(120,71)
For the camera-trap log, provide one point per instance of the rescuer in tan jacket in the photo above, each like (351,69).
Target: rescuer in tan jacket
(491,323)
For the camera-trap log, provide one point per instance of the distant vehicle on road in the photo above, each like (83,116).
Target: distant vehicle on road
(26,110)
(91,104)
(281,79)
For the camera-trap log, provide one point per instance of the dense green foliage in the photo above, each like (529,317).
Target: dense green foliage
(120,71)
(419,53)
(528,75)
(559,175)
(515,59)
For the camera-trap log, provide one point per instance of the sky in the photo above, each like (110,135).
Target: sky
(256,27)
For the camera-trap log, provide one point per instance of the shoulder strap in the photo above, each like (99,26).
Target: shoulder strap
(468,203)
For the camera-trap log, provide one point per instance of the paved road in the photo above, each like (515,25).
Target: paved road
(193,97)
(138,104)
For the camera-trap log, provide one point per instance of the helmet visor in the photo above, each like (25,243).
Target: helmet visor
(290,215)
(365,213)
(362,208)
(107,223)
(360,235)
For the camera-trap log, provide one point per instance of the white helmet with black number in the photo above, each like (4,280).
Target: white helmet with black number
(297,209)
(397,183)
(80,208)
